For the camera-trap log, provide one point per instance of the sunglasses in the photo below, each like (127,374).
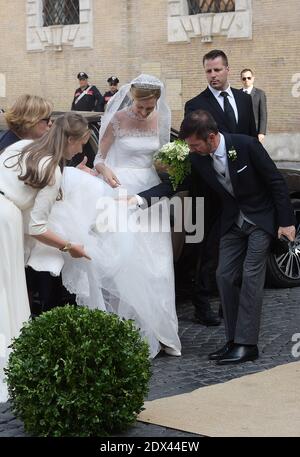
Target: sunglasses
(247,77)
(47,120)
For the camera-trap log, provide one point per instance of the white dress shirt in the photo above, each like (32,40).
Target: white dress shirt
(248,90)
(220,99)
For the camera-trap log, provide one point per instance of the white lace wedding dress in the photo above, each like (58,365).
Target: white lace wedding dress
(131,273)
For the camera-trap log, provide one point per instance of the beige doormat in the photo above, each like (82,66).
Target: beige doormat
(262,404)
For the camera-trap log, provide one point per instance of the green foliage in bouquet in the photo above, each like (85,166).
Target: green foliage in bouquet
(78,372)
(175,156)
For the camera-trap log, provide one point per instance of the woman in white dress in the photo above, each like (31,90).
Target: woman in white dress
(131,273)
(129,138)
(30,178)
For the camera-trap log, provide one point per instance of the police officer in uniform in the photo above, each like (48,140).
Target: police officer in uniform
(113,82)
(87,97)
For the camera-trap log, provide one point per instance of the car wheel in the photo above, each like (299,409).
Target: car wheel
(284,270)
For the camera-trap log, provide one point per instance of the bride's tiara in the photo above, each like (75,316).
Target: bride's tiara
(146,86)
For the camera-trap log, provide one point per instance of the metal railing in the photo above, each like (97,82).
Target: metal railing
(210,6)
(60,12)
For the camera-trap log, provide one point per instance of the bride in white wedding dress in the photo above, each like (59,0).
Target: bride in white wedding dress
(131,272)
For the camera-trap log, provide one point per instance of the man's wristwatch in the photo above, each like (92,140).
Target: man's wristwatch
(66,248)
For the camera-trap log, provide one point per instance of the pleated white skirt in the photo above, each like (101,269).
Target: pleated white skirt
(14,305)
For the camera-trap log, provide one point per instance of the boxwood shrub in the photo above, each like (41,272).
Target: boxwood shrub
(78,372)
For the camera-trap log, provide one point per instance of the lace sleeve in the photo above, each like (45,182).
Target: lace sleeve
(105,143)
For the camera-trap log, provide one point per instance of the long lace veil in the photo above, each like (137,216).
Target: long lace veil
(122,99)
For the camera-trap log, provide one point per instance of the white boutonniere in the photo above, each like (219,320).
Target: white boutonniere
(232,154)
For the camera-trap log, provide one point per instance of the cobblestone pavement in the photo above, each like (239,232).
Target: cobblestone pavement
(177,375)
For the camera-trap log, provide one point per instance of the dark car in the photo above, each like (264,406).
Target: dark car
(283,268)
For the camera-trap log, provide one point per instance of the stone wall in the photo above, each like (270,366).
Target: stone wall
(126,37)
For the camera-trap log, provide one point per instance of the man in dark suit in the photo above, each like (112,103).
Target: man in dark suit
(233,112)
(231,108)
(255,209)
(259,102)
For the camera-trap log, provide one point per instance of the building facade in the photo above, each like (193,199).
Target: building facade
(44,44)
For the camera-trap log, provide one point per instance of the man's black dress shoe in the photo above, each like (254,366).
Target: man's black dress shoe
(221,352)
(221,315)
(238,354)
(207,317)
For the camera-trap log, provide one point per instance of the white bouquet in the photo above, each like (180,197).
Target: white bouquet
(175,155)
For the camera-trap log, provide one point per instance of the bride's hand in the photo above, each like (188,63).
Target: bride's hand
(77,251)
(110,177)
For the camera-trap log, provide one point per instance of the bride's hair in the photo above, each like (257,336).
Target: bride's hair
(142,92)
(51,145)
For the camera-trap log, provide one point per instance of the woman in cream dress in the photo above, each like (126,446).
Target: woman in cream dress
(30,178)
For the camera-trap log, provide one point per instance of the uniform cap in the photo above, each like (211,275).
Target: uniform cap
(113,80)
(82,75)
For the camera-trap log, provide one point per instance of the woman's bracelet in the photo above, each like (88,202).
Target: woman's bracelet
(67,247)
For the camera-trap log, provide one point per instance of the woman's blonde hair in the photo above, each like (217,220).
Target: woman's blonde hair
(143,93)
(26,112)
(51,145)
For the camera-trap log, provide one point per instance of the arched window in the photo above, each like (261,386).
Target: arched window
(60,12)
(210,6)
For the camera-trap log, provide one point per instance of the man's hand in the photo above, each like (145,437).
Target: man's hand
(82,166)
(130,200)
(261,137)
(289,232)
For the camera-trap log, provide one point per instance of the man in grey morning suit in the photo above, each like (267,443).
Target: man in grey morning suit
(255,209)
(259,102)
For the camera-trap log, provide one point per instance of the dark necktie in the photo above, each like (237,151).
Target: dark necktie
(228,110)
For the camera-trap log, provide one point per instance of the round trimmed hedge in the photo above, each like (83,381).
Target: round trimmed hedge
(78,372)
